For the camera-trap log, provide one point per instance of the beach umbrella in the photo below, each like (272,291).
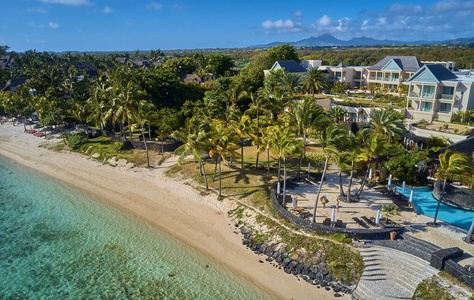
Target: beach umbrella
(390,180)
(278,188)
(333,216)
(403,187)
(370,173)
(377,218)
(411,197)
(469,235)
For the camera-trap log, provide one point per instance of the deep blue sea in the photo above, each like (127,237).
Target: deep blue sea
(59,243)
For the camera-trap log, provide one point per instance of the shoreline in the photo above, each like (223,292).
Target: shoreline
(201,222)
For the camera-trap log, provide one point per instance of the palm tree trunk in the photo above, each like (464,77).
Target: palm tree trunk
(130,125)
(268,162)
(258,131)
(162,148)
(284,182)
(299,167)
(200,167)
(220,187)
(377,160)
(341,191)
(350,184)
(146,148)
(205,176)
(364,181)
(242,158)
(215,170)
(279,167)
(319,189)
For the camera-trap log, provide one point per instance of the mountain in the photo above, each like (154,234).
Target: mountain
(326,40)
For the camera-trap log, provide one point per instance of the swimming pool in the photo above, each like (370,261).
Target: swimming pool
(426,204)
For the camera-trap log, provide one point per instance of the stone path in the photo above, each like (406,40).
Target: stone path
(390,274)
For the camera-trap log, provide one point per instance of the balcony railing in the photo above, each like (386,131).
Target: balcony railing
(356,78)
(375,78)
(446,96)
(415,95)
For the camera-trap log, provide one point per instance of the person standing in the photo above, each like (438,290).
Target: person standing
(337,205)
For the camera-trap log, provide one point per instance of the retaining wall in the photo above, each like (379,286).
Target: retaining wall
(322,229)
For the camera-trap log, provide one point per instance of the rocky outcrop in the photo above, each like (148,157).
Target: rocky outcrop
(453,196)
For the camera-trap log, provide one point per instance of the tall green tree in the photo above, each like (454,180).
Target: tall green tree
(314,81)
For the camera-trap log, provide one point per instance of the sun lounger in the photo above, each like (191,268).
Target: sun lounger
(327,222)
(369,221)
(360,222)
(299,209)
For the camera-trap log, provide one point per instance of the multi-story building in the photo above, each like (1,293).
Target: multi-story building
(389,73)
(434,92)
(354,76)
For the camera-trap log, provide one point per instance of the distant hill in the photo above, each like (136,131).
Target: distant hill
(326,40)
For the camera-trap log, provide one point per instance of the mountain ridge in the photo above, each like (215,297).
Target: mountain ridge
(327,40)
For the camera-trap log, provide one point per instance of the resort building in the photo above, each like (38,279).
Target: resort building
(289,66)
(391,71)
(434,92)
(354,76)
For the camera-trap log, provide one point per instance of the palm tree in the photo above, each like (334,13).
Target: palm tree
(291,82)
(266,141)
(222,144)
(354,157)
(143,116)
(332,139)
(341,159)
(306,112)
(195,136)
(284,144)
(256,106)
(338,113)
(374,146)
(244,129)
(314,81)
(452,165)
(234,94)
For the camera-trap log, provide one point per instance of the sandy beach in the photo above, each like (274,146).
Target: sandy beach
(169,204)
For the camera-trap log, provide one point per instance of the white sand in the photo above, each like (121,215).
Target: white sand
(200,221)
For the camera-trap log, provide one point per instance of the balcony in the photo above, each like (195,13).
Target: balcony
(414,95)
(446,96)
(356,78)
(375,78)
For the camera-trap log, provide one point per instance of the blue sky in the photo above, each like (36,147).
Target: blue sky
(62,25)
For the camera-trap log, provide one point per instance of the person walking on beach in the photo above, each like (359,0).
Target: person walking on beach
(337,205)
(296,201)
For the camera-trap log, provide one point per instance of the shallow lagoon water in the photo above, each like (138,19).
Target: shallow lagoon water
(57,242)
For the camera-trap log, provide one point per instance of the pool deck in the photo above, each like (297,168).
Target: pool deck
(445,236)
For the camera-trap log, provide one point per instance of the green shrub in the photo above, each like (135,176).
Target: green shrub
(390,210)
(430,289)
(341,237)
(119,146)
(77,140)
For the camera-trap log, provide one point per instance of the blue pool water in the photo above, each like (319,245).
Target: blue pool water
(426,204)
(59,243)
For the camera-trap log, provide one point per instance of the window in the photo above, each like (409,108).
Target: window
(395,76)
(426,106)
(445,107)
(428,91)
(447,92)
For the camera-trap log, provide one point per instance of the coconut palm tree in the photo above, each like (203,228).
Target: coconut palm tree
(375,145)
(291,82)
(354,157)
(341,158)
(256,106)
(332,139)
(195,136)
(338,113)
(306,112)
(222,141)
(244,129)
(452,165)
(283,145)
(265,143)
(144,115)
(314,81)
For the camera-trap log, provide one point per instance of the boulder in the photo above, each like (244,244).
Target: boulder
(292,264)
(285,262)
(245,230)
(262,248)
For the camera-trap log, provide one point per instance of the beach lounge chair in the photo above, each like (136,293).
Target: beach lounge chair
(369,221)
(360,222)
(327,222)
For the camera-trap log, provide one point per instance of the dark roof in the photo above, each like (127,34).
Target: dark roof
(411,136)
(465,146)
(121,59)
(291,66)
(440,72)
(406,63)
(341,65)
(14,82)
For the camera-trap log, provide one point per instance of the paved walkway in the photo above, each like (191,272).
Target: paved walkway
(390,274)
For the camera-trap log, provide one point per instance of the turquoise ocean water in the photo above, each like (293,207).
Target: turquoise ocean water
(59,243)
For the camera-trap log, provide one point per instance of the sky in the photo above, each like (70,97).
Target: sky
(116,25)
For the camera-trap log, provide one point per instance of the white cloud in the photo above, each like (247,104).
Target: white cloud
(178,7)
(297,14)
(280,26)
(107,10)
(53,25)
(68,2)
(324,21)
(39,11)
(154,5)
